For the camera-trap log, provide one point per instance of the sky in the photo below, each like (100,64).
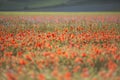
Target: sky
(59,5)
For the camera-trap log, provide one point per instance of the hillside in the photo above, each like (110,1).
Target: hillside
(59,5)
(28,4)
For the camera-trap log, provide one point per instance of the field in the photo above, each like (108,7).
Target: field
(59,46)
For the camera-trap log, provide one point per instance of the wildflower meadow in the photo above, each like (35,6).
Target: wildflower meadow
(60,47)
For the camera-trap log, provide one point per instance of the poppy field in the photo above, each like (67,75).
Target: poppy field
(60,47)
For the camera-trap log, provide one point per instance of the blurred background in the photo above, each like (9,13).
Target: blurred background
(60,5)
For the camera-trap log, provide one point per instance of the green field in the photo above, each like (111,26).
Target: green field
(57,13)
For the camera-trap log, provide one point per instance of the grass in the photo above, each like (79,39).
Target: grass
(10,13)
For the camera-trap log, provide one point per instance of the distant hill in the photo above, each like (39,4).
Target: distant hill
(28,4)
(59,5)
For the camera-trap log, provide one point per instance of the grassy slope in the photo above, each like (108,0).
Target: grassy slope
(12,5)
(41,4)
